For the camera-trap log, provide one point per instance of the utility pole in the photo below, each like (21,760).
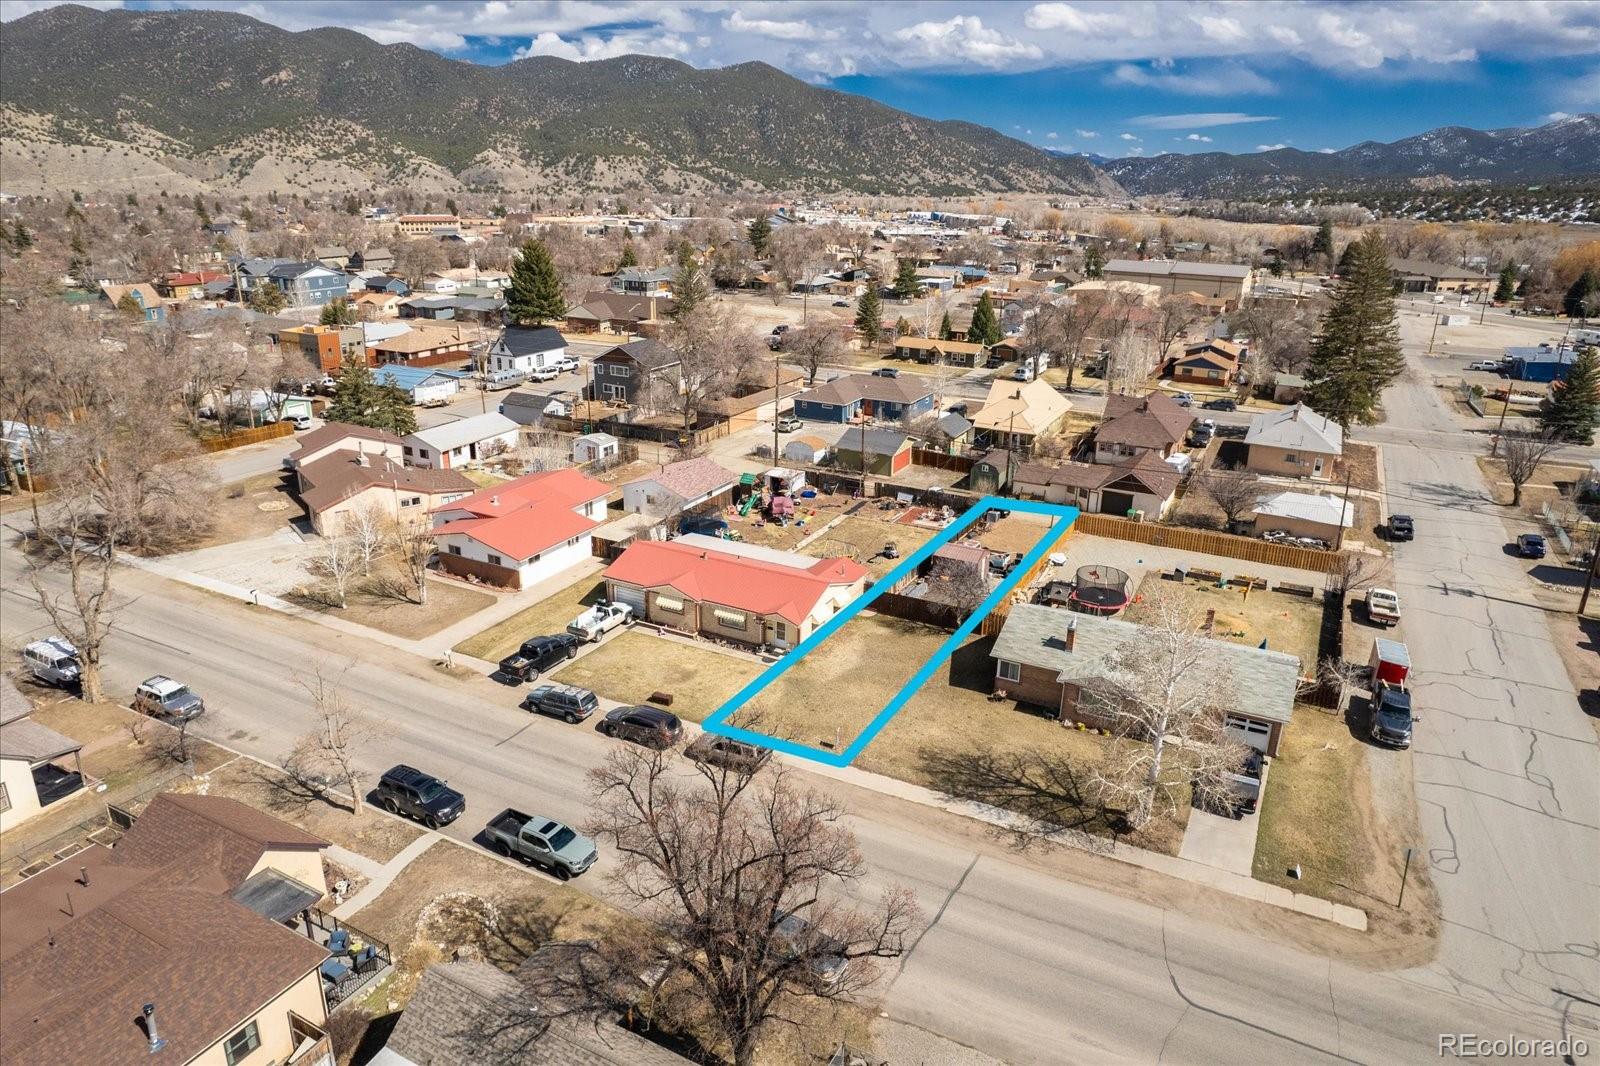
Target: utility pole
(1344,506)
(1494,448)
(777,403)
(1588,583)
(1434,334)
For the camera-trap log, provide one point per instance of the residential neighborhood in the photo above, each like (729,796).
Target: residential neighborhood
(867,591)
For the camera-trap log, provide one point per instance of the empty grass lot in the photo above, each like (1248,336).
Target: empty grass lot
(1287,623)
(549,615)
(373,605)
(635,663)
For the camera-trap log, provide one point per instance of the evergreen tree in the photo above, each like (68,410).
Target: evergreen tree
(688,288)
(905,281)
(338,312)
(200,210)
(77,197)
(133,199)
(78,267)
(985,328)
(759,233)
(129,306)
(628,258)
(5,235)
(352,206)
(1322,243)
(944,326)
(267,299)
(1357,350)
(902,327)
(1275,266)
(450,207)
(1094,261)
(535,295)
(360,400)
(1573,410)
(1579,302)
(21,239)
(1505,290)
(869,315)
(1346,259)
(394,412)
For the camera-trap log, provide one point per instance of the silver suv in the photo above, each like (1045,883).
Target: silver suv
(162,697)
(52,660)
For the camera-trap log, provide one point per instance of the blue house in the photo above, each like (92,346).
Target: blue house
(1543,363)
(152,308)
(845,399)
(388,284)
(308,283)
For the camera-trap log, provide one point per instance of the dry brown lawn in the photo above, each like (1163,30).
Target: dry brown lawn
(448,603)
(811,514)
(121,747)
(1287,623)
(1362,462)
(1551,482)
(549,615)
(634,664)
(256,507)
(862,537)
(1015,533)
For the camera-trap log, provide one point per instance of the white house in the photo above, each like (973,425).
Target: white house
(520,533)
(457,444)
(679,487)
(439,284)
(523,351)
(595,447)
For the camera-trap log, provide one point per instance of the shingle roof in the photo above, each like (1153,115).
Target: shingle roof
(340,475)
(221,833)
(13,704)
(731,581)
(1298,428)
(1165,268)
(876,442)
(1152,421)
(31,742)
(1264,681)
(615,306)
(841,391)
(335,432)
(1022,407)
(650,354)
(691,478)
(530,341)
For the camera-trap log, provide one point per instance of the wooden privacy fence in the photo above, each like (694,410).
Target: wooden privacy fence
(240,437)
(995,620)
(1201,540)
(941,460)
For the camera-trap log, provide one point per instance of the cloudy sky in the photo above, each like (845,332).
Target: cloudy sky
(1136,77)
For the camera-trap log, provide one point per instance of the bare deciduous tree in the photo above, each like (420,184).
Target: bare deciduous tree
(1167,686)
(1523,456)
(715,353)
(365,528)
(1344,674)
(1175,316)
(743,877)
(413,545)
(1353,571)
(813,347)
(1235,493)
(336,560)
(330,750)
(960,584)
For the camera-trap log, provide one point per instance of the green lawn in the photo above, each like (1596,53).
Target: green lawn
(549,615)
(634,664)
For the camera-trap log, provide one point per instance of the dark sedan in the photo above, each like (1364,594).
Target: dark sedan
(1531,546)
(1221,405)
(650,726)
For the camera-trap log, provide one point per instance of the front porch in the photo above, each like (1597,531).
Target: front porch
(358,961)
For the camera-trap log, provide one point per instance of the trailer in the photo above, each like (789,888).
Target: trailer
(1390,663)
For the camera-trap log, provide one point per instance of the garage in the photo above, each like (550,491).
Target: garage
(1254,732)
(1116,502)
(628,594)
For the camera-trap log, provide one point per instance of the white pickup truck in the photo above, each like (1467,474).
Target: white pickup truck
(1383,606)
(599,620)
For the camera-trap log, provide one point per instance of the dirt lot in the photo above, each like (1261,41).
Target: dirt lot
(1016,533)
(862,537)
(1287,623)
(255,507)
(549,615)
(632,665)
(121,747)
(1362,462)
(374,605)
(1551,482)
(810,515)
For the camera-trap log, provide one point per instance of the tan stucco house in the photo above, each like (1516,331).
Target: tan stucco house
(1294,442)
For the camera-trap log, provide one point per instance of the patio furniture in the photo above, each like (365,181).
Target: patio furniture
(363,957)
(339,941)
(334,970)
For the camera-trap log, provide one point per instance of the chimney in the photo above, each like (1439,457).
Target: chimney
(494,501)
(362,460)
(156,1043)
(1072,633)
(83,876)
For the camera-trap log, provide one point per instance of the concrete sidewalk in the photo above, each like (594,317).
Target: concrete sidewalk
(382,876)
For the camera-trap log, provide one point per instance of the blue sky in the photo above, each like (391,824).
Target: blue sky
(1116,78)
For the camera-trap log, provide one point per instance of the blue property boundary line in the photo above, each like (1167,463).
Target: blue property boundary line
(717,723)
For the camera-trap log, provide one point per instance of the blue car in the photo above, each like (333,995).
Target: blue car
(1531,546)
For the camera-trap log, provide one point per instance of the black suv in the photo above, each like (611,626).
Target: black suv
(650,726)
(407,791)
(1221,405)
(562,701)
(1401,527)
(536,655)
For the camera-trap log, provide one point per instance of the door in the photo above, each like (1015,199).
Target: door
(1248,731)
(1316,467)
(1116,503)
(633,597)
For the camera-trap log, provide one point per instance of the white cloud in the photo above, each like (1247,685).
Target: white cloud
(1053,136)
(1326,151)
(1556,116)
(1073,20)
(1194,137)
(1581,93)
(1087,135)
(1272,147)
(966,36)
(1222,30)
(1127,137)
(587,47)
(1224,80)
(778,29)
(1198,120)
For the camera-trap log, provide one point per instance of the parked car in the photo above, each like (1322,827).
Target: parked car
(567,702)
(727,753)
(1392,720)
(1022,373)
(299,422)
(956,409)
(54,661)
(788,424)
(708,525)
(841,303)
(1002,563)
(162,697)
(1222,404)
(1183,399)
(1241,791)
(599,620)
(566,363)
(887,372)
(650,726)
(538,654)
(423,797)
(1531,546)
(544,373)
(823,955)
(1491,365)
(1201,433)
(542,842)
(1383,606)
(1401,527)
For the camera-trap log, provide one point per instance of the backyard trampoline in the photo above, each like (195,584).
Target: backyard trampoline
(1099,590)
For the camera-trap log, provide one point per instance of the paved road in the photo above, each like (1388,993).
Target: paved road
(1507,767)
(1018,963)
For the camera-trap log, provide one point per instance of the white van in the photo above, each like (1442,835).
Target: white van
(52,660)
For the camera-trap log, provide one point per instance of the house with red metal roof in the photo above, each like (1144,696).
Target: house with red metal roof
(730,591)
(517,534)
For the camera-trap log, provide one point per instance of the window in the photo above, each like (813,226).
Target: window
(5,799)
(410,501)
(670,603)
(614,392)
(1008,671)
(422,453)
(618,371)
(239,1046)
(731,619)
(1247,725)
(1290,457)
(405,449)
(780,631)
(455,549)
(494,560)
(572,541)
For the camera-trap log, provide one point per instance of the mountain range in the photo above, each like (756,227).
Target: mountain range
(1565,149)
(191,98)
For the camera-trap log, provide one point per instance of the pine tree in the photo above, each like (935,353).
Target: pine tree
(267,299)
(394,412)
(78,267)
(352,206)
(1357,351)
(1345,259)
(129,306)
(905,281)
(1580,297)
(361,401)
(758,233)
(944,327)
(21,239)
(1322,243)
(338,312)
(1094,261)
(902,327)
(628,258)
(450,207)
(200,210)
(688,288)
(985,328)
(869,315)
(535,295)
(1573,410)
(1505,290)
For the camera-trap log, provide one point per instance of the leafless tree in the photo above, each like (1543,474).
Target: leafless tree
(543,449)
(1235,493)
(365,529)
(417,258)
(1344,674)
(1353,571)
(1175,316)
(813,347)
(329,751)
(1166,686)
(1064,328)
(743,877)
(715,352)
(413,545)
(932,311)
(336,560)
(960,584)
(1523,456)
